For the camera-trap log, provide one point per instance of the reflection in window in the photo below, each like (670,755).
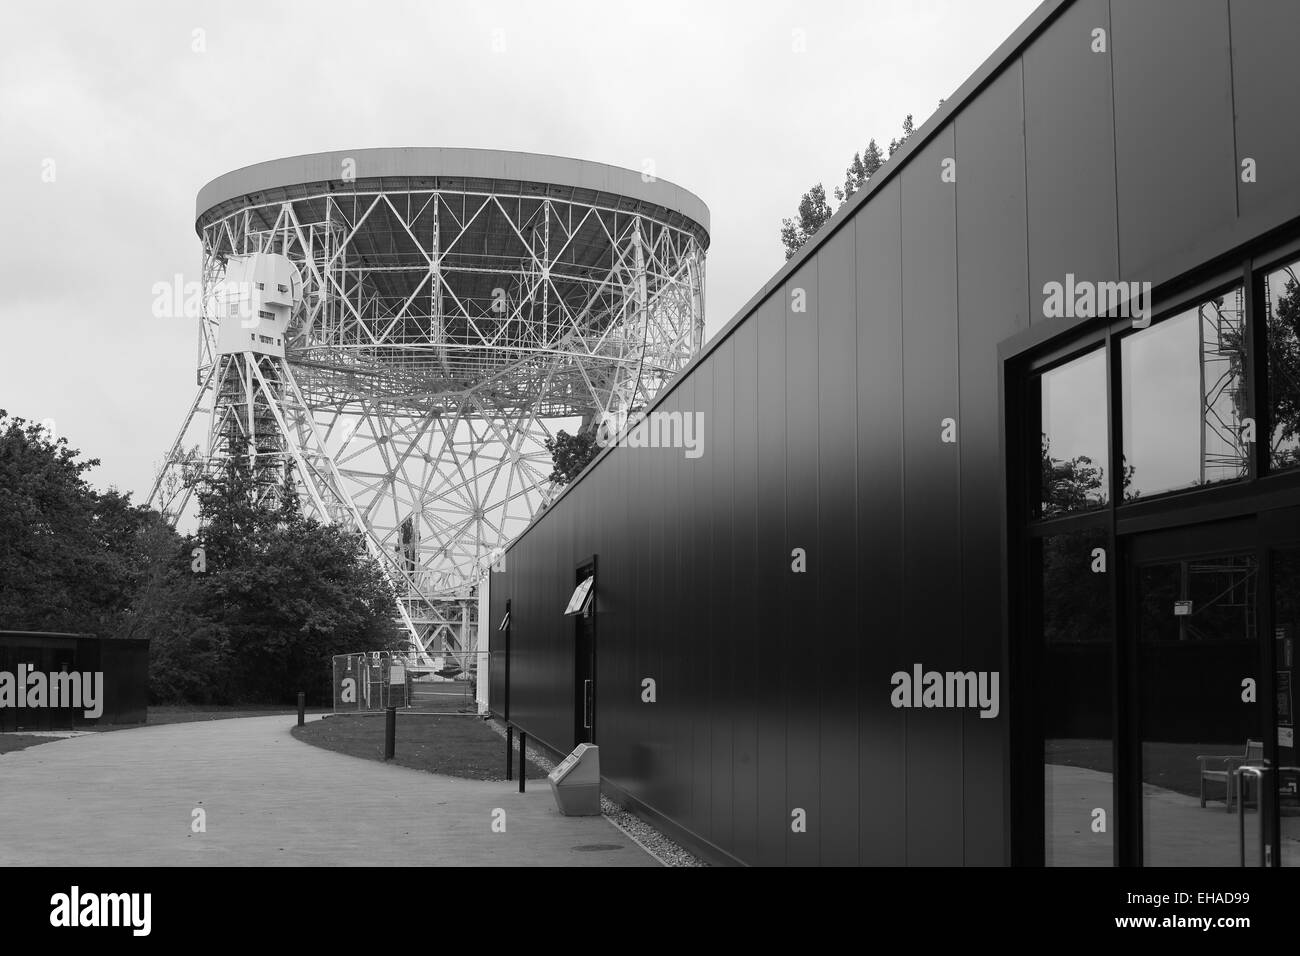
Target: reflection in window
(1076,694)
(1197,640)
(1286,631)
(1074,442)
(1282,302)
(1184,399)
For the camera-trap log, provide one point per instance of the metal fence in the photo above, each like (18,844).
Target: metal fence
(371,682)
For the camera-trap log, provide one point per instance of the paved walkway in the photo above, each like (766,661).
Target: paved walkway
(127,798)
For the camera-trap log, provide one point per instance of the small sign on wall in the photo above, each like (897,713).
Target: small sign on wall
(1182,609)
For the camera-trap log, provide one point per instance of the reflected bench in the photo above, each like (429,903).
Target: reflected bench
(1223,768)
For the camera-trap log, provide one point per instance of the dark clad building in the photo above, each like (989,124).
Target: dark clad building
(902,403)
(124,664)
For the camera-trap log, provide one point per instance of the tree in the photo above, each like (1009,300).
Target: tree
(309,592)
(278,596)
(71,558)
(1071,485)
(895,144)
(862,168)
(813,214)
(814,211)
(571,453)
(1283,332)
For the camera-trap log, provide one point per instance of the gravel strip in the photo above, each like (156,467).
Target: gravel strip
(637,830)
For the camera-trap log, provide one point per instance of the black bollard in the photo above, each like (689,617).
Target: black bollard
(302,708)
(523,759)
(390,732)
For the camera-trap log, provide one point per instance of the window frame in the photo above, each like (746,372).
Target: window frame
(1203,293)
(1022,359)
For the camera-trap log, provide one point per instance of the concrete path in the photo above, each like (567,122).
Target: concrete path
(127,798)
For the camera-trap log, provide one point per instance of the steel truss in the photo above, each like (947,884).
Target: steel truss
(443,335)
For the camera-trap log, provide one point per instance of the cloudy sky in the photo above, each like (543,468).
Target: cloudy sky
(129,112)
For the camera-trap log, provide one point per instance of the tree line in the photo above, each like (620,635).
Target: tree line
(814,209)
(248,609)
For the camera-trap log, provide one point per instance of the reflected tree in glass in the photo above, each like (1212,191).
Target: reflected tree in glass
(1075,676)
(1072,484)
(1282,298)
(1076,484)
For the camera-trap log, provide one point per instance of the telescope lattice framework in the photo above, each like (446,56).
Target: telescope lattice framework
(457,308)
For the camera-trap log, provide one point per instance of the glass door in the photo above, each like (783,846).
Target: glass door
(1284,564)
(1195,662)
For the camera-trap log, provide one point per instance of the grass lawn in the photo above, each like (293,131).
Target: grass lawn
(446,744)
(179,714)
(189,712)
(12,742)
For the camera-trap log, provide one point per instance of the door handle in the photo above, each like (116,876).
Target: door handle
(586,704)
(1261,775)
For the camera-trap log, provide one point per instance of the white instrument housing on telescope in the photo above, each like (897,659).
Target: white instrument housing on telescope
(256,301)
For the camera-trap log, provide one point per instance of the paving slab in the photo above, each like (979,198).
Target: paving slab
(127,798)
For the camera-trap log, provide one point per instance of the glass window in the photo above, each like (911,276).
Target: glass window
(1282,318)
(1076,695)
(1184,399)
(1074,437)
(1197,640)
(1286,629)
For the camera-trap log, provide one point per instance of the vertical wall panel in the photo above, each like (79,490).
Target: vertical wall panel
(1176,179)
(931,512)
(677,687)
(748,608)
(1070,143)
(882,642)
(1264,35)
(804,742)
(653,610)
(704,577)
(718,449)
(835,638)
(621,624)
(993,292)
(774,583)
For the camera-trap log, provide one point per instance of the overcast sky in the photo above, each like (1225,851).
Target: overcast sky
(136,120)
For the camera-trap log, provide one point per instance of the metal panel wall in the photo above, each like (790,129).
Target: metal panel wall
(931,512)
(1176,173)
(749,621)
(1069,152)
(823,408)
(776,647)
(994,300)
(800,633)
(834,644)
(882,731)
(1263,37)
